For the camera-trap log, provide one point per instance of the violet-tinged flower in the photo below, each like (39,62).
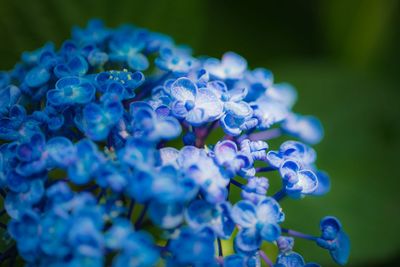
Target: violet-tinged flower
(195,105)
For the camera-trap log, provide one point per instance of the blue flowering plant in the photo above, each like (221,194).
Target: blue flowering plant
(110,160)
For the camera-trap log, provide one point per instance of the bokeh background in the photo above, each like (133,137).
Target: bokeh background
(343,57)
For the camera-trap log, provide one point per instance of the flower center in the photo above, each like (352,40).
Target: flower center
(189,105)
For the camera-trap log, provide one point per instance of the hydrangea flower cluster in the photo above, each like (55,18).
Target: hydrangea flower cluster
(105,157)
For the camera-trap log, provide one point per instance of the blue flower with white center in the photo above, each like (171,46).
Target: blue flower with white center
(71,90)
(255,189)
(292,259)
(175,59)
(231,67)
(296,180)
(258,222)
(111,82)
(201,214)
(307,128)
(192,247)
(234,126)
(334,239)
(127,45)
(74,66)
(146,124)
(196,105)
(234,161)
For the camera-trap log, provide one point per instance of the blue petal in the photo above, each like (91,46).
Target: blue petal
(78,66)
(248,239)
(307,128)
(225,151)
(166,216)
(239,110)
(307,181)
(183,89)
(37,76)
(291,259)
(324,184)
(61,150)
(342,251)
(270,232)
(269,211)
(244,214)
(138,62)
(210,103)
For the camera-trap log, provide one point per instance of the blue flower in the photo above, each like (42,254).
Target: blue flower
(257,149)
(306,128)
(239,260)
(84,168)
(334,239)
(146,124)
(98,120)
(292,259)
(292,150)
(285,244)
(192,248)
(71,90)
(201,214)
(25,231)
(83,137)
(176,60)
(235,161)
(74,66)
(136,248)
(95,32)
(196,105)
(297,181)
(32,155)
(4,79)
(231,66)
(9,96)
(202,169)
(117,81)
(257,81)
(255,189)
(258,222)
(16,203)
(126,46)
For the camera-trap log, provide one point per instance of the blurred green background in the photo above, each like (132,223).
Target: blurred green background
(343,56)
